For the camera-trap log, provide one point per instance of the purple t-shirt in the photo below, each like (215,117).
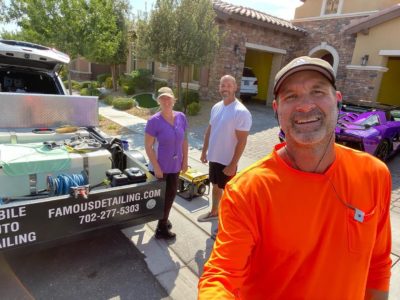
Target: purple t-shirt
(169,141)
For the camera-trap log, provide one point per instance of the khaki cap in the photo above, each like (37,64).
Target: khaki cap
(165,91)
(304,63)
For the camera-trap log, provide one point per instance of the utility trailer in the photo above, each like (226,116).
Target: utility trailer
(39,154)
(60,176)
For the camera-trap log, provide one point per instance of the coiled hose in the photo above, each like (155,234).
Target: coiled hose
(62,184)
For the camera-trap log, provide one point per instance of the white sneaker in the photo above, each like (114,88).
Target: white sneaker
(207,217)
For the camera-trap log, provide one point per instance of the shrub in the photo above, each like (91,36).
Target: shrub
(142,79)
(124,78)
(193,108)
(101,78)
(145,100)
(90,92)
(94,84)
(127,83)
(191,96)
(178,106)
(64,74)
(108,84)
(85,84)
(95,92)
(123,103)
(75,85)
(85,92)
(102,95)
(159,84)
(109,100)
(128,89)
(89,84)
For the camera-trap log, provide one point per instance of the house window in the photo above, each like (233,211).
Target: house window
(331,7)
(163,65)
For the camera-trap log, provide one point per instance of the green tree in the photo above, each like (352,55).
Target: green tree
(60,24)
(2,8)
(94,29)
(53,23)
(179,32)
(107,38)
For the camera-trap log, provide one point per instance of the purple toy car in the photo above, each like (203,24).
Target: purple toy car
(374,129)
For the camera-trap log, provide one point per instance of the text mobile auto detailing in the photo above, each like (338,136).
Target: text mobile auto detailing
(12,234)
(101,203)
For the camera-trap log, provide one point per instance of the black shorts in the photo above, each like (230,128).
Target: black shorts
(216,175)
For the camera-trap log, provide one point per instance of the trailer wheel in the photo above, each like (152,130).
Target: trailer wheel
(383,150)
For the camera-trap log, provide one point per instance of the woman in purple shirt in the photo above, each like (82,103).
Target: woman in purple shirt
(167,147)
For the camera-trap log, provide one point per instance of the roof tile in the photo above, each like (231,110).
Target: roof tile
(253,15)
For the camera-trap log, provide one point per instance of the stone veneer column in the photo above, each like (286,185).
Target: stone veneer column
(362,85)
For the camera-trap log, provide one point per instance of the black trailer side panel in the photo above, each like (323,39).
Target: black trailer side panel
(38,221)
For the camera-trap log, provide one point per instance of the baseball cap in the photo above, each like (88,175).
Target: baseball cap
(304,63)
(165,91)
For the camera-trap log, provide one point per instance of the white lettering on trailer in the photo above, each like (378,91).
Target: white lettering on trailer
(152,194)
(12,213)
(9,227)
(97,204)
(134,197)
(19,239)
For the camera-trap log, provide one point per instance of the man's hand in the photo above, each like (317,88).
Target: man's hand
(203,158)
(229,170)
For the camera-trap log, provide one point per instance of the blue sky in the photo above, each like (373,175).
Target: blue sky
(278,8)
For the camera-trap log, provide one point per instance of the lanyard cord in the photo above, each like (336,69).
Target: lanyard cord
(358,213)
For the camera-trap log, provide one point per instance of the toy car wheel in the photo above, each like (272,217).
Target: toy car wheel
(383,150)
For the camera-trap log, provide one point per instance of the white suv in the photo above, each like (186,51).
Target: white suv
(249,84)
(30,68)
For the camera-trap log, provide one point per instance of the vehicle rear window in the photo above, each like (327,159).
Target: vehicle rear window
(248,72)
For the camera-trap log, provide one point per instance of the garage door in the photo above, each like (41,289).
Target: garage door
(389,92)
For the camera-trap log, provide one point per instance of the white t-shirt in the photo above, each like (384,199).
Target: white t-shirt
(224,121)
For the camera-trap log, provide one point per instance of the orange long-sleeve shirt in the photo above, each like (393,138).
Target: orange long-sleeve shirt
(287,234)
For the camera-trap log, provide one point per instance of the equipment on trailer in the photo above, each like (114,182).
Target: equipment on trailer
(193,183)
(58,185)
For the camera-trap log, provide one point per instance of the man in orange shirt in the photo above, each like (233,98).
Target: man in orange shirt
(310,220)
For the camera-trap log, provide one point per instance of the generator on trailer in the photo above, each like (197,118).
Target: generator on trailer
(193,183)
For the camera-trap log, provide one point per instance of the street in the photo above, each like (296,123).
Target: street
(103,266)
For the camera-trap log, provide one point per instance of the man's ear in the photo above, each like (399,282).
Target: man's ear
(275,105)
(275,108)
(339,99)
(339,96)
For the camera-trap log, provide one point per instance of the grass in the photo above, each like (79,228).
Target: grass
(145,100)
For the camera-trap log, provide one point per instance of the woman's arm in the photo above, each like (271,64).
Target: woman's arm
(151,154)
(185,151)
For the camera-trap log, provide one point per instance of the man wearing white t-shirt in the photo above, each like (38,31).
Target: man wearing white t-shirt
(224,141)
